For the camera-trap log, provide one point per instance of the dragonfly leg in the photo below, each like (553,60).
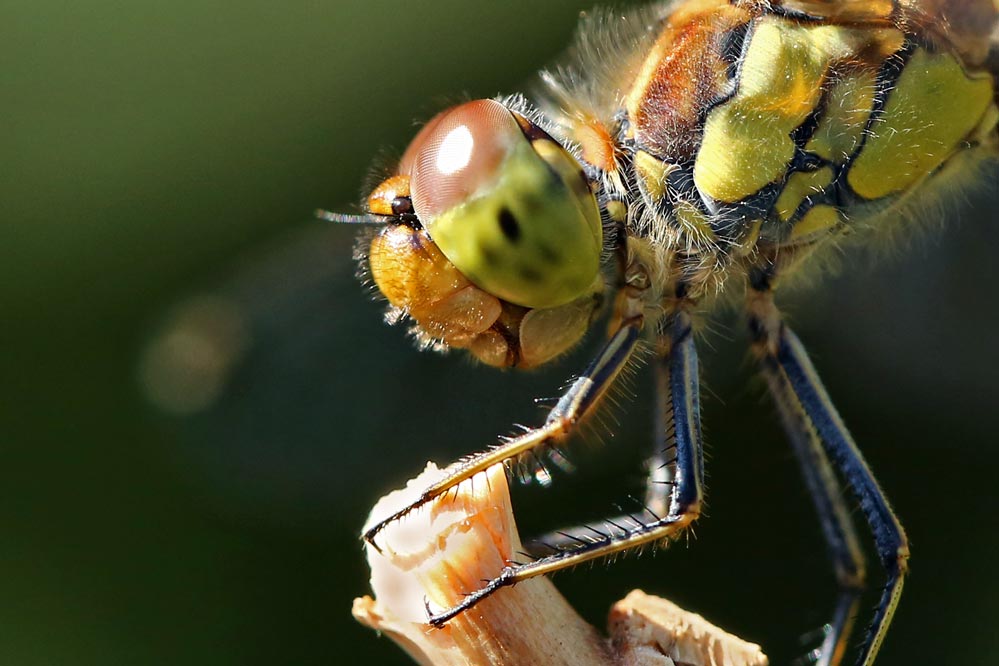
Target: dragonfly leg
(574,405)
(822,442)
(676,367)
(578,400)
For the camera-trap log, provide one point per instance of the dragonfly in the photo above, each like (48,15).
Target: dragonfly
(684,158)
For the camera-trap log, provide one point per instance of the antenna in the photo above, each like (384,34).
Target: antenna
(343,218)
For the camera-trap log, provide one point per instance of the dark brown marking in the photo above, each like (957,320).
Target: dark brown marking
(529,273)
(402,206)
(531,131)
(509,225)
(491,256)
(549,254)
(684,73)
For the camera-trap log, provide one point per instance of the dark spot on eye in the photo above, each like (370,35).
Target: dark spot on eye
(532,205)
(549,254)
(490,256)
(529,273)
(509,225)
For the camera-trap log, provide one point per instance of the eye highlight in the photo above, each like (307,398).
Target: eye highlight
(458,155)
(510,209)
(455,151)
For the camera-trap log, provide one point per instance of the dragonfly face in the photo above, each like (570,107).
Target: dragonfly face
(495,237)
(724,147)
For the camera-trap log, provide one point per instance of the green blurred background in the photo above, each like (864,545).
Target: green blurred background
(200,402)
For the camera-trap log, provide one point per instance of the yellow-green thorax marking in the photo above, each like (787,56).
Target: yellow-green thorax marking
(818,121)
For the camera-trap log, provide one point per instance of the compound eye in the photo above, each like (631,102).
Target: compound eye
(506,204)
(457,155)
(405,166)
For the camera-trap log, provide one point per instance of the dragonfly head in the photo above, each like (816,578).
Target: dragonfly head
(494,237)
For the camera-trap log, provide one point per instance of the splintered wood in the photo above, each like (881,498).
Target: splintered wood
(439,552)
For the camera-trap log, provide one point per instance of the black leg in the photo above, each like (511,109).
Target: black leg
(821,441)
(679,424)
(837,527)
(573,406)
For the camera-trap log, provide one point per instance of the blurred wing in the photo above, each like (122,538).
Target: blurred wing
(260,376)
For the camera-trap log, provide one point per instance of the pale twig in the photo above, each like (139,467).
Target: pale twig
(442,551)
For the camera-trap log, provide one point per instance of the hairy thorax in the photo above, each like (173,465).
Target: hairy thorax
(733,135)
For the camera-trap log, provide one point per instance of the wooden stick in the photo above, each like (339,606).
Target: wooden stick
(438,553)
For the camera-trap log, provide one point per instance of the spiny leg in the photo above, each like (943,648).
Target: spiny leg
(678,389)
(571,408)
(837,527)
(678,415)
(576,403)
(812,421)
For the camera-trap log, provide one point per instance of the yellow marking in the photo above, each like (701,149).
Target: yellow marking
(819,219)
(932,110)
(693,221)
(843,10)
(748,242)
(747,143)
(653,173)
(799,186)
(842,123)
(617,210)
(747,140)
(986,131)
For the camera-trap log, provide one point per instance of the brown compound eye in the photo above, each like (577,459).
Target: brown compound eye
(405,166)
(457,156)
(503,201)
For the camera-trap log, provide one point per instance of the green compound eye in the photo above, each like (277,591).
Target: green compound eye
(514,214)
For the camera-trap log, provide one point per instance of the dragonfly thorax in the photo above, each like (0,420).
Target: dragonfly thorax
(740,133)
